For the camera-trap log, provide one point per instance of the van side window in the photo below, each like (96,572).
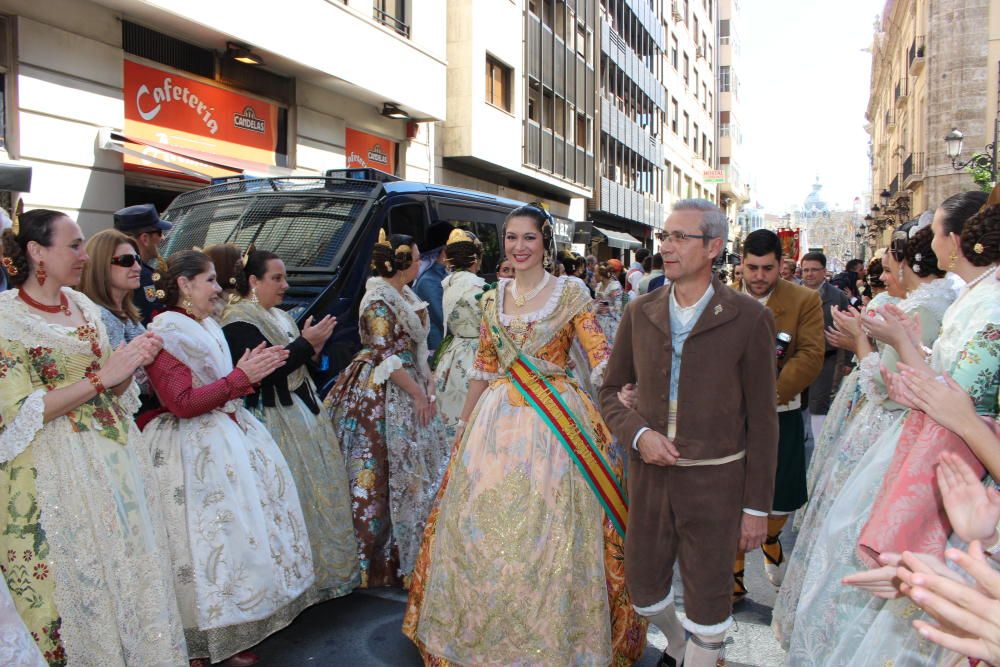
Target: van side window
(409,219)
(485,223)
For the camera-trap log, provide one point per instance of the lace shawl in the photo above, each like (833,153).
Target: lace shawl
(456,286)
(199,345)
(405,307)
(276,325)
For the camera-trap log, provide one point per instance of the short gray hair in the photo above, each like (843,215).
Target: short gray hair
(713,221)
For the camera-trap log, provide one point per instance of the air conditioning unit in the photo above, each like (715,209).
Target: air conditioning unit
(675,12)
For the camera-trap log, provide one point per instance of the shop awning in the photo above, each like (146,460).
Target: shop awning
(15,177)
(109,139)
(619,239)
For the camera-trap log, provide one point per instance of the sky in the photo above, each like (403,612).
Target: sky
(804,68)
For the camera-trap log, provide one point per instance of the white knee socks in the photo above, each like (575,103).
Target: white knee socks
(671,627)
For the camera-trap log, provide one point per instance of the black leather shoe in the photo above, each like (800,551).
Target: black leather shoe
(667,661)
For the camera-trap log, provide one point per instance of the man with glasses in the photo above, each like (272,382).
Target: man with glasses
(821,391)
(143,224)
(703,429)
(799,343)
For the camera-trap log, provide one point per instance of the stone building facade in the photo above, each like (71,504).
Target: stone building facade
(931,70)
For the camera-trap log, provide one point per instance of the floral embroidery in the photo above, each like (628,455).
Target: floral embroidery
(41,571)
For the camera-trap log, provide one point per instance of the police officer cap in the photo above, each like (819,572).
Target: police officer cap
(140,218)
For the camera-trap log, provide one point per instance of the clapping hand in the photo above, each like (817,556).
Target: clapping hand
(318,333)
(881,581)
(972,508)
(124,361)
(261,361)
(944,400)
(969,617)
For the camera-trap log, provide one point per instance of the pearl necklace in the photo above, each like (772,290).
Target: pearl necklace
(981,277)
(521,299)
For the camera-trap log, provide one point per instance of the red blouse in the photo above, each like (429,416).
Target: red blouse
(174,386)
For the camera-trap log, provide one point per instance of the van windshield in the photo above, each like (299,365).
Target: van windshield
(305,226)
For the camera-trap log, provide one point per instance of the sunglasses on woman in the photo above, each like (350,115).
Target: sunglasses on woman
(125,261)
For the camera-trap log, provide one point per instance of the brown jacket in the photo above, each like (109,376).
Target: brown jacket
(798,311)
(726,400)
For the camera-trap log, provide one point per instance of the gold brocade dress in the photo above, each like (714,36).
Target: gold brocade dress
(519,565)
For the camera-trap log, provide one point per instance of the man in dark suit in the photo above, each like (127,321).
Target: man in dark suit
(821,391)
(702,434)
(798,321)
(143,224)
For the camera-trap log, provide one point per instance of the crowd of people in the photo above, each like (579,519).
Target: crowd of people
(528,459)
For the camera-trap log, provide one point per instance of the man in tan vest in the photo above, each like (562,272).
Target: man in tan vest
(798,321)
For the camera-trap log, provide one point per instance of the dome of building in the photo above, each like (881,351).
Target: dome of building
(814,203)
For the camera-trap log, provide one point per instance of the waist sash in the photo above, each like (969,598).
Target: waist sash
(577,442)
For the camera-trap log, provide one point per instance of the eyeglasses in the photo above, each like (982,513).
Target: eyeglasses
(678,236)
(125,261)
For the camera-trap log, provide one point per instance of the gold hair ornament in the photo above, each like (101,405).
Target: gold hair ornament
(460,235)
(978,249)
(8,264)
(383,239)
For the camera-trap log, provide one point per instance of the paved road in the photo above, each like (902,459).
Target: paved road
(363,630)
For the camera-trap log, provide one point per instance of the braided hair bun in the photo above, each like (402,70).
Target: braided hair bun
(392,255)
(463,250)
(980,237)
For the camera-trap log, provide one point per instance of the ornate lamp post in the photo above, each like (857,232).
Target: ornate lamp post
(986,160)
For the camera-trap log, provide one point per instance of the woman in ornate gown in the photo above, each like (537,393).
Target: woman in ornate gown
(285,401)
(520,563)
(84,547)
(832,619)
(910,263)
(462,314)
(240,550)
(383,409)
(846,399)
(609,302)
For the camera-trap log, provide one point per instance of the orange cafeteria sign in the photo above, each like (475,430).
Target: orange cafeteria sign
(166,109)
(367,150)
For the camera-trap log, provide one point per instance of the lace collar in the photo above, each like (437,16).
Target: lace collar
(545,311)
(935,295)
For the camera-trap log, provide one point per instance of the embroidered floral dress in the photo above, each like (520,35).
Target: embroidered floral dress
(238,542)
(841,625)
(519,564)
(82,545)
(873,416)
(395,466)
(462,314)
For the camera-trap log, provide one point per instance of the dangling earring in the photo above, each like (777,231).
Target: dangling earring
(953,260)
(40,274)
(188,306)
(253,295)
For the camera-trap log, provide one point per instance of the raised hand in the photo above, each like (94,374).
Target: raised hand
(881,581)
(318,333)
(973,509)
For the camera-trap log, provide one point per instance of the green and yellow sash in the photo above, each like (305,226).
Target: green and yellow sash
(549,405)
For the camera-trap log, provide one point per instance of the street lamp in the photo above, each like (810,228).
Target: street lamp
(884,196)
(987,160)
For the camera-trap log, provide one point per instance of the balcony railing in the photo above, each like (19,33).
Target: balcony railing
(913,169)
(390,20)
(917,55)
(902,90)
(894,186)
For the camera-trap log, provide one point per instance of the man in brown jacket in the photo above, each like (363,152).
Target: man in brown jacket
(702,435)
(798,320)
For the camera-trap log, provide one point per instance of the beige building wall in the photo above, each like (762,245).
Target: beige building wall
(929,73)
